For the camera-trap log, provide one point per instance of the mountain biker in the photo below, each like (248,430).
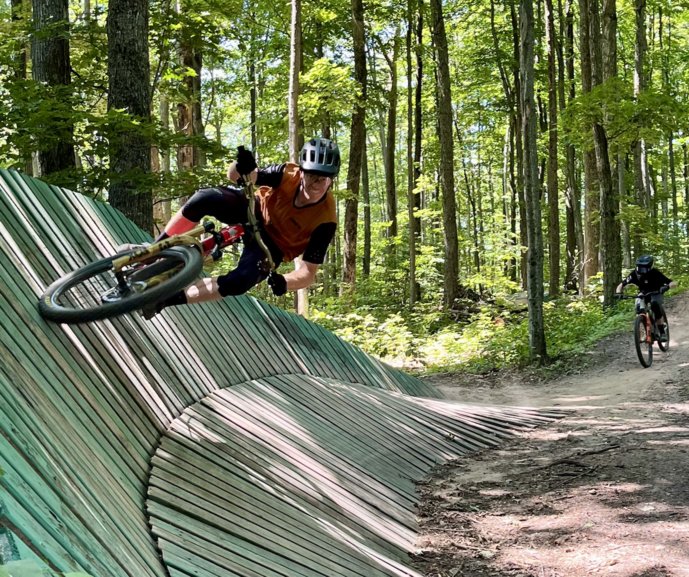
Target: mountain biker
(295,213)
(650,279)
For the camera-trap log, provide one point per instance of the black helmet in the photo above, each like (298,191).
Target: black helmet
(644,264)
(320,156)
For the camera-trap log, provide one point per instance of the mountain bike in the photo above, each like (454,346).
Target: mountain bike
(143,275)
(646,330)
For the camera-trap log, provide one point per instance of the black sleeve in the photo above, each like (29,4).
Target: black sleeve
(631,279)
(663,279)
(270,175)
(319,241)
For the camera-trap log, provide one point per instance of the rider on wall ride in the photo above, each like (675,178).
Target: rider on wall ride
(295,211)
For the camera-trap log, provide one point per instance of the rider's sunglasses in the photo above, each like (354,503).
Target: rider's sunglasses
(316,179)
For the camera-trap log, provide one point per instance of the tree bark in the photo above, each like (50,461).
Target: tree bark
(411,181)
(641,183)
(552,178)
(357,136)
(537,342)
(610,250)
(129,90)
(591,190)
(447,180)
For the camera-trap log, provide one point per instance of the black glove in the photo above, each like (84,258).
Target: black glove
(277,283)
(246,163)
(664,289)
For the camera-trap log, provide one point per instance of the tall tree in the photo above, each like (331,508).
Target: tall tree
(606,69)
(389,151)
(411,180)
(189,120)
(447,179)
(51,66)
(591,190)
(301,298)
(537,343)
(575,234)
(552,179)
(128,90)
(357,136)
(641,183)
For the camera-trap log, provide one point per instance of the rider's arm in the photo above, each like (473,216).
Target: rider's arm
(302,277)
(620,287)
(314,255)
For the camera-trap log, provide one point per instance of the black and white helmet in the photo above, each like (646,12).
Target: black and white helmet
(644,264)
(320,156)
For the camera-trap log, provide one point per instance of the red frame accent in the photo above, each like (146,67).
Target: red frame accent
(231,234)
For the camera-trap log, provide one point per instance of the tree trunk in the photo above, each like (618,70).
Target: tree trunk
(189,119)
(51,66)
(447,179)
(129,90)
(574,277)
(552,179)
(591,190)
(411,181)
(418,108)
(366,197)
(161,206)
(357,136)
(537,343)
(641,183)
(610,253)
(389,156)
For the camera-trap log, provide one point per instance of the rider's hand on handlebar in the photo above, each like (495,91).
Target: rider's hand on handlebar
(664,289)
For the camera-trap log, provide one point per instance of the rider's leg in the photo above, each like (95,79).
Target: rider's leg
(228,205)
(658,312)
(247,274)
(249,271)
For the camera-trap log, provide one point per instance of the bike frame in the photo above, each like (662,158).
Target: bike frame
(210,247)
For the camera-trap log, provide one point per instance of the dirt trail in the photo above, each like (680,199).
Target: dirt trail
(604,491)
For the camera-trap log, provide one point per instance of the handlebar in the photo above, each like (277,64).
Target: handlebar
(640,295)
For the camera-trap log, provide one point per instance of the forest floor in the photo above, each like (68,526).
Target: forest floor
(603,491)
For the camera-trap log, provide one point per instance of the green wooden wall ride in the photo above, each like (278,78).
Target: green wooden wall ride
(285,452)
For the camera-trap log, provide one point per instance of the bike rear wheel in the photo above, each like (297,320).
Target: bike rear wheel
(664,345)
(642,341)
(91,293)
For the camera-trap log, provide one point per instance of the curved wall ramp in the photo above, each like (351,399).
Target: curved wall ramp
(222,439)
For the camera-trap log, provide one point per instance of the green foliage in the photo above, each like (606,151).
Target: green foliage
(625,118)
(329,92)
(495,338)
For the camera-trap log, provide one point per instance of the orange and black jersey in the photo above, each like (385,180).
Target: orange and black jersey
(296,230)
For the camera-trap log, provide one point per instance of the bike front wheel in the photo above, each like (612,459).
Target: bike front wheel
(664,345)
(93,292)
(643,341)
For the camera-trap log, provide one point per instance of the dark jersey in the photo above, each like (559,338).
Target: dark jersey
(648,282)
(322,235)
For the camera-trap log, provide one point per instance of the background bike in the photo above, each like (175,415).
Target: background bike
(138,277)
(646,328)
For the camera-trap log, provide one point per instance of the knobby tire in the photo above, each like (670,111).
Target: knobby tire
(55,306)
(664,346)
(644,350)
